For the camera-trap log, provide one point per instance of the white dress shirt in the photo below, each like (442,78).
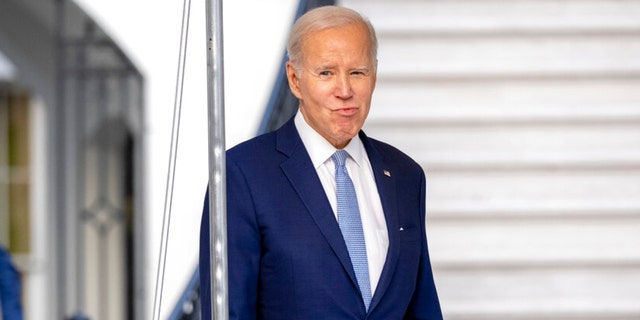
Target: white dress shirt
(373,221)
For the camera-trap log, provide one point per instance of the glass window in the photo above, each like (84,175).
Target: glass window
(14,169)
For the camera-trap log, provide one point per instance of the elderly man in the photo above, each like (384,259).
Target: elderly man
(323,221)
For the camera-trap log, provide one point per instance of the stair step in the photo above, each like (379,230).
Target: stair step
(558,243)
(506,101)
(515,146)
(565,293)
(499,16)
(510,57)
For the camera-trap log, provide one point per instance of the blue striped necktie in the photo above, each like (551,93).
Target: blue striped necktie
(351,226)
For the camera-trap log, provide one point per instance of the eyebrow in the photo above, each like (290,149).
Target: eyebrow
(326,67)
(323,67)
(362,68)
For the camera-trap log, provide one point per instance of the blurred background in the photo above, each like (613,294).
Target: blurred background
(524,114)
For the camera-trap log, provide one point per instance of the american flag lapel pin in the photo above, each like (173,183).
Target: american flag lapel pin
(386,173)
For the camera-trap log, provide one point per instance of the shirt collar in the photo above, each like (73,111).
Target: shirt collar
(320,150)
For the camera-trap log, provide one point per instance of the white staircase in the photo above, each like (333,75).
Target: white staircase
(526,117)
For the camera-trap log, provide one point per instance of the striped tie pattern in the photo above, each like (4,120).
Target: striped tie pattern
(351,225)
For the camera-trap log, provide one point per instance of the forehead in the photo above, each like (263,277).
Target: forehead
(346,40)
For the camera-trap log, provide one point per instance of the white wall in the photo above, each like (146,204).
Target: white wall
(149,32)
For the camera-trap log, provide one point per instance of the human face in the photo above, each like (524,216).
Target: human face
(334,81)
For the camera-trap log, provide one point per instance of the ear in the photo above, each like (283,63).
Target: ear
(294,81)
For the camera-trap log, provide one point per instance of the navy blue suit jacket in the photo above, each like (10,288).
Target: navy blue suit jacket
(287,258)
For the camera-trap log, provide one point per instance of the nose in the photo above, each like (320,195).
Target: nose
(344,89)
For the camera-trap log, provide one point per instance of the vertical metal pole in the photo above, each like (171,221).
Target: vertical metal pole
(57,169)
(217,176)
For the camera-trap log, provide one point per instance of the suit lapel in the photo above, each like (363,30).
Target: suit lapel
(303,177)
(383,174)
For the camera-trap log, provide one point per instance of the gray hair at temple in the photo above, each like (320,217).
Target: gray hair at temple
(325,18)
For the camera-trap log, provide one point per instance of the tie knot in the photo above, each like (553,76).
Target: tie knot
(339,157)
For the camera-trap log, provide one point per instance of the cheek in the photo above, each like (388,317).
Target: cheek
(315,91)
(363,90)
(323,89)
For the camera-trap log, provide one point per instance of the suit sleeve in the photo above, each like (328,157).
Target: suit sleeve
(203,262)
(425,303)
(243,245)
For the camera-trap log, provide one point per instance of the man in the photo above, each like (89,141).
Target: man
(307,239)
